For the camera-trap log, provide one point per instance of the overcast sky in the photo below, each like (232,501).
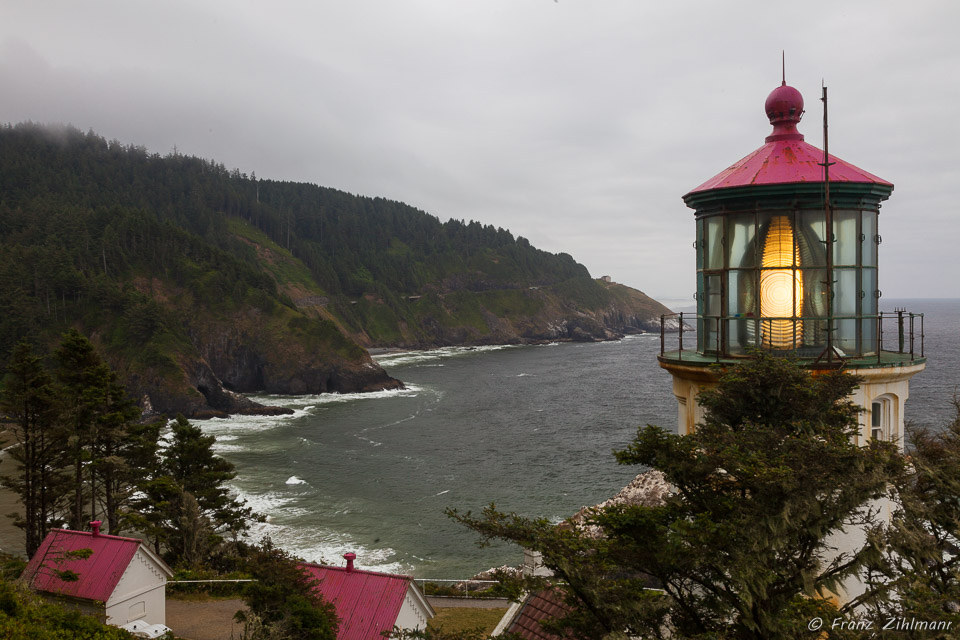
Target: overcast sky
(577,124)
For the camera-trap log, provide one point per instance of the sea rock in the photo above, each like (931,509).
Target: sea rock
(208,414)
(265,411)
(648,489)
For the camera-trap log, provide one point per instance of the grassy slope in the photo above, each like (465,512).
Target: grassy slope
(445,315)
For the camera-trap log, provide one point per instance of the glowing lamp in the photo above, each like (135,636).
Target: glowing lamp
(781,287)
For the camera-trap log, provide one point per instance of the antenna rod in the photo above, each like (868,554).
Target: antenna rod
(828,211)
(783,62)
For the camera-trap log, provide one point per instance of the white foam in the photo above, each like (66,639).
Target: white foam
(295,480)
(326,547)
(308,402)
(227,448)
(268,504)
(420,357)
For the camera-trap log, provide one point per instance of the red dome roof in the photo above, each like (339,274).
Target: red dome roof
(785,158)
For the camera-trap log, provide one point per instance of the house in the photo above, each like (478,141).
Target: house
(369,603)
(523,618)
(121,581)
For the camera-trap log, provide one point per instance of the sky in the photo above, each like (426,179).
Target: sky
(576,124)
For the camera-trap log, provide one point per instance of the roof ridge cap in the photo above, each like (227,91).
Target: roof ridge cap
(355,570)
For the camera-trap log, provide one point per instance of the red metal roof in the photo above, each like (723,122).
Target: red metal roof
(98,575)
(785,158)
(366,602)
(543,605)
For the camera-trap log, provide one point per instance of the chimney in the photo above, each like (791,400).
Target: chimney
(95,525)
(350,557)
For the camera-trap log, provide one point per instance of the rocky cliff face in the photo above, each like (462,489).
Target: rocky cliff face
(223,354)
(529,316)
(211,385)
(286,351)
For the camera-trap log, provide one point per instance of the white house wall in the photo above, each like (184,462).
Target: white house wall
(140,594)
(412,615)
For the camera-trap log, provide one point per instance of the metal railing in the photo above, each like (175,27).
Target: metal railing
(447,588)
(900,315)
(904,327)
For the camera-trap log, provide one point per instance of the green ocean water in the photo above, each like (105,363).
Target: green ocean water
(531,428)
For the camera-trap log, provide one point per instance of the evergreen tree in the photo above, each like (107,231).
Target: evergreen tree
(919,575)
(282,601)
(26,396)
(118,447)
(190,461)
(742,547)
(185,508)
(79,375)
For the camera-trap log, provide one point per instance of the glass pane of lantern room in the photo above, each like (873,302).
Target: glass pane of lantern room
(846,293)
(812,238)
(846,237)
(869,239)
(701,247)
(742,231)
(869,292)
(713,231)
(868,337)
(868,311)
(741,310)
(814,308)
(709,319)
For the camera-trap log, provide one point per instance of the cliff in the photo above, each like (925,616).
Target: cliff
(199,283)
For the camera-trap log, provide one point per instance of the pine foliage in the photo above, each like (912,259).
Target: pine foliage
(745,546)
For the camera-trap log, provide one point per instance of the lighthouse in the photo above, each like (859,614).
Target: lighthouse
(787,260)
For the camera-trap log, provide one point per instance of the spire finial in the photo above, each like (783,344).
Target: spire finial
(783,61)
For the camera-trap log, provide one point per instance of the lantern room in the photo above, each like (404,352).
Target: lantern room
(762,248)
(787,244)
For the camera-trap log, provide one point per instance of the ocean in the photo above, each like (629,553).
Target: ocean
(530,428)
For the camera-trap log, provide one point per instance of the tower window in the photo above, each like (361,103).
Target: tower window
(881,419)
(876,421)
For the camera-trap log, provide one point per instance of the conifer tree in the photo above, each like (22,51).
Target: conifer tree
(118,447)
(282,600)
(185,505)
(26,396)
(78,377)
(742,547)
(919,575)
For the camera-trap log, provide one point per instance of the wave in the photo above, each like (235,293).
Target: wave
(232,427)
(421,357)
(313,544)
(308,402)
(267,504)
(327,547)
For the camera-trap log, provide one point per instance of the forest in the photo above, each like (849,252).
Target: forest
(181,271)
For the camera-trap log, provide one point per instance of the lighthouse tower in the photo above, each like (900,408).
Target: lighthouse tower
(787,243)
